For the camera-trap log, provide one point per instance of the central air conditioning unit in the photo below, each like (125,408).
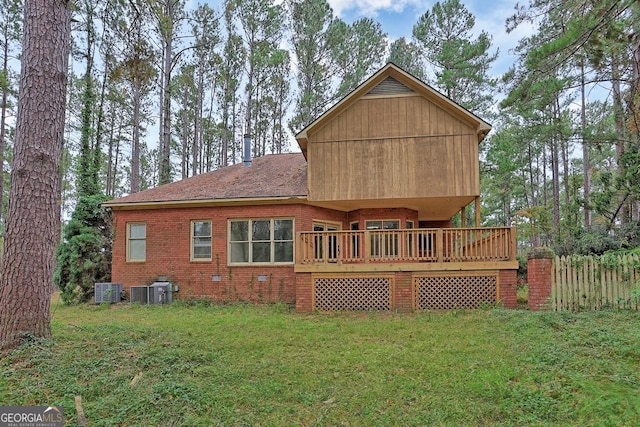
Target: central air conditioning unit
(139,294)
(156,293)
(107,292)
(160,293)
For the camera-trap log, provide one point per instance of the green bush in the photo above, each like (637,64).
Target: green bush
(84,256)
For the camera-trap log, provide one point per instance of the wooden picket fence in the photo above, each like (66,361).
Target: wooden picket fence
(594,283)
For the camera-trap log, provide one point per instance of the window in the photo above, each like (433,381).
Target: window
(136,241)
(383,244)
(261,241)
(410,250)
(355,240)
(382,225)
(329,242)
(201,240)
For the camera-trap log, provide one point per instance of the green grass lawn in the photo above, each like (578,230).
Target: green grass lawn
(267,366)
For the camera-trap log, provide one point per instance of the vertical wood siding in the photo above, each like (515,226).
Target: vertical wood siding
(393,147)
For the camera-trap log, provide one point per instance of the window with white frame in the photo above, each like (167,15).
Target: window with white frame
(136,241)
(261,241)
(201,240)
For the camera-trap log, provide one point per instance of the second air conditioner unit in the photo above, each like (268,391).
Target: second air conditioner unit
(107,292)
(139,294)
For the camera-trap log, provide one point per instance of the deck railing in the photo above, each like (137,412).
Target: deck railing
(410,245)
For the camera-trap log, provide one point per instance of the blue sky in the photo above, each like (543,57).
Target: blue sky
(397,18)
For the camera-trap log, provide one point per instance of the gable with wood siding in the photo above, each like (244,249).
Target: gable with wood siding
(395,141)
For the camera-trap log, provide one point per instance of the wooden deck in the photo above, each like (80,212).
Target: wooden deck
(442,249)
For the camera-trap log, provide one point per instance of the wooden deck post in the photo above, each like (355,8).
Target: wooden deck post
(477,211)
(298,251)
(367,246)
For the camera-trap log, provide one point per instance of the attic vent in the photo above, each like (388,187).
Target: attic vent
(389,86)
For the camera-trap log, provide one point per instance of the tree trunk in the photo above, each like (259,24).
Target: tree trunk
(634,98)
(555,171)
(33,220)
(210,141)
(3,115)
(184,163)
(586,167)
(224,155)
(135,140)
(249,88)
(233,132)
(110,171)
(533,200)
(198,158)
(618,114)
(116,159)
(165,142)
(564,151)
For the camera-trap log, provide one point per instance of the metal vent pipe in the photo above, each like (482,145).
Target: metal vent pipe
(246,157)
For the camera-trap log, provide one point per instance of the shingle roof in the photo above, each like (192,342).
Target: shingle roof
(274,175)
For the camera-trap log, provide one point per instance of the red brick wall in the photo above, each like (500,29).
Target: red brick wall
(168,252)
(508,288)
(309,214)
(539,279)
(401,214)
(403,298)
(304,293)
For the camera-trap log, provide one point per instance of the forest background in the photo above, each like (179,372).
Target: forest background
(161,90)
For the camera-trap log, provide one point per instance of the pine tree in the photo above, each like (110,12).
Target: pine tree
(357,50)
(84,256)
(460,60)
(169,15)
(407,56)
(310,21)
(581,44)
(33,220)
(10,29)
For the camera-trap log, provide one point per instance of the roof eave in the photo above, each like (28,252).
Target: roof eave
(243,201)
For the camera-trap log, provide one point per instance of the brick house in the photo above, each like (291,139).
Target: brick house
(361,219)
